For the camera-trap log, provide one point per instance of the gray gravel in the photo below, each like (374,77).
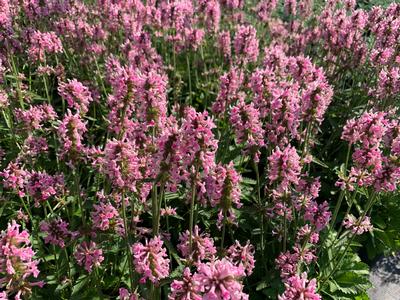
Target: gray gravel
(385,277)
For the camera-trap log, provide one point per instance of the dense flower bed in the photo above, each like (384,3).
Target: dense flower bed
(210,149)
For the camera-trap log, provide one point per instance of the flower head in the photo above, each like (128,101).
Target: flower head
(221,279)
(150,260)
(88,255)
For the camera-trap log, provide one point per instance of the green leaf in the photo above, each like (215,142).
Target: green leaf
(81,283)
(319,162)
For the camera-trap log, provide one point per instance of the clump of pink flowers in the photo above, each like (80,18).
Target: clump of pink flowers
(88,255)
(105,216)
(221,279)
(242,255)
(17,263)
(42,44)
(284,167)
(76,94)
(185,288)
(202,248)
(150,260)
(374,136)
(299,287)
(357,226)
(57,232)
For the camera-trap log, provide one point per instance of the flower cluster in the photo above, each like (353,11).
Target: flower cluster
(150,260)
(88,255)
(57,232)
(375,158)
(42,44)
(17,263)
(76,94)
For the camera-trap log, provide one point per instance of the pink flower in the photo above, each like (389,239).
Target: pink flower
(150,260)
(124,294)
(120,162)
(56,231)
(70,133)
(77,95)
(246,43)
(42,43)
(4,102)
(230,83)
(212,14)
(299,287)
(105,217)
(318,215)
(5,14)
(89,255)
(286,263)
(242,255)
(265,8)
(35,116)
(186,288)
(202,246)
(359,226)
(367,129)
(374,135)
(198,144)
(14,178)
(245,120)
(151,95)
(306,233)
(233,4)
(220,279)
(222,189)
(16,261)
(168,211)
(224,44)
(284,167)
(33,146)
(42,186)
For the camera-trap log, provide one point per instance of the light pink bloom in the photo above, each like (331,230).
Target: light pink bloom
(185,289)
(88,255)
(42,43)
(284,167)
(299,287)
(202,246)
(105,216)
(246,43)
(242,255)
(70,133)
(151,260)
(17,265)
(357,226)
(220,279)
(76,94)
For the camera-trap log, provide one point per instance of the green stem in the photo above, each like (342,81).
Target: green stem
(192,211)
(155,211)
(16,75)
(341,196)
(190,78)
(338,264)
(126,235)
(261,206)
(223,231)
